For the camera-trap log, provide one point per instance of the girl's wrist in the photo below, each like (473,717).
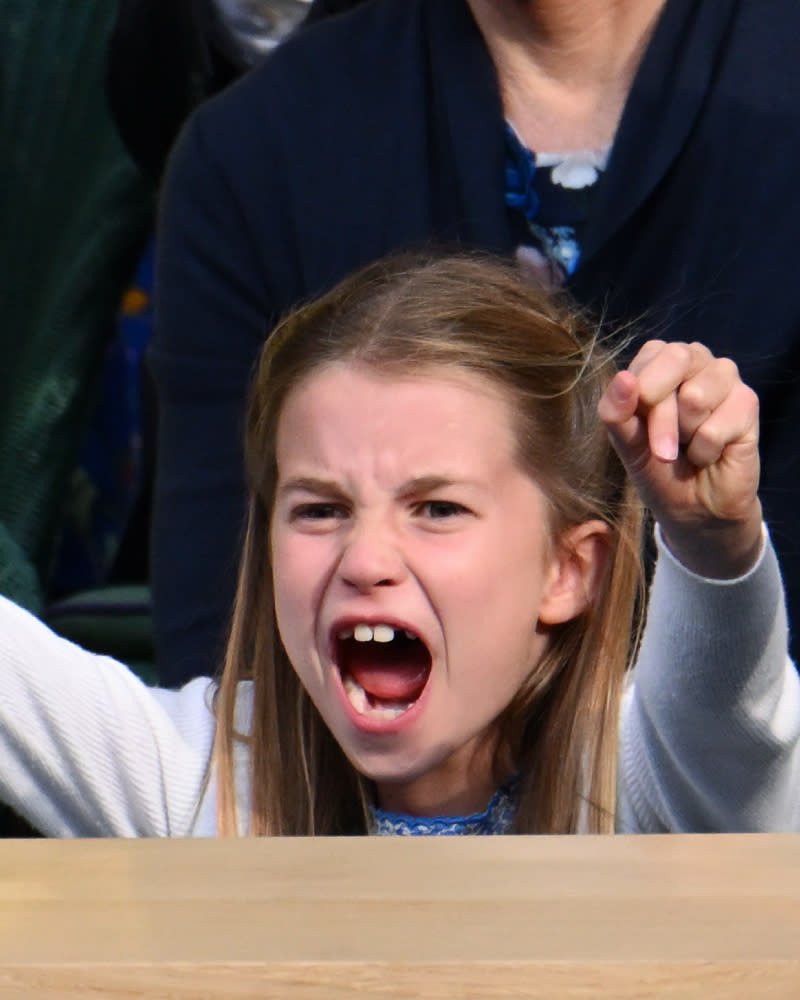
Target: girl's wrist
(717,549)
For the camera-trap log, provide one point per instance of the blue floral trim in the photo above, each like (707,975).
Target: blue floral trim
(551,197)
(497,818)
(520,169)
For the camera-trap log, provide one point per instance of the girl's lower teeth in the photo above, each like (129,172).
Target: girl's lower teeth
(359,699)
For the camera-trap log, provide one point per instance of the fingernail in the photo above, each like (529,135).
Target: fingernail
(665,449)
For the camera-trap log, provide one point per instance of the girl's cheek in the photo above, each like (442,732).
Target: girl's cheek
(300,565)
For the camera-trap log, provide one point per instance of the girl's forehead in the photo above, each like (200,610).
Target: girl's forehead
(362,408)
(426,379)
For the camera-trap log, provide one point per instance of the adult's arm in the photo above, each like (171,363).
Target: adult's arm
(710,728)
(86,749)
(213,311)
(253,218)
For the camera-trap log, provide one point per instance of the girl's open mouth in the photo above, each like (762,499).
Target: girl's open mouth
(384,670)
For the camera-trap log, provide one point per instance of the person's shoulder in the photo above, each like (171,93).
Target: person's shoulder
(760,68)
(370,33)
(776,15)
(353,56)
(762,40)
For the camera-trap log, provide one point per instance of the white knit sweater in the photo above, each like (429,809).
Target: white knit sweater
(709,734)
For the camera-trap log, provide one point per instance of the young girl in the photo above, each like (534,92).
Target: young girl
(439,594)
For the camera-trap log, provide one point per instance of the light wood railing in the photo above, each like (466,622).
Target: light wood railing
(572,918)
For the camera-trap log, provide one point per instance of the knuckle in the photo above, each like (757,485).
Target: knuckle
(706,445)
(696,347)
(708,436)
(692,398)
(649,350)
(728,368)
(680,350)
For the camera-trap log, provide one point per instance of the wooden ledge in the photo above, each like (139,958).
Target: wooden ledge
(564,917)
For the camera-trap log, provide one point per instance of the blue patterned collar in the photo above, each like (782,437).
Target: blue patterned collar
(498,817)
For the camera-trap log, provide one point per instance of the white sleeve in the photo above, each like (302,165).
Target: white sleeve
(710,725)
(87,749)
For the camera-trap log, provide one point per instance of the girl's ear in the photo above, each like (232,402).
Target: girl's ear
(575,571)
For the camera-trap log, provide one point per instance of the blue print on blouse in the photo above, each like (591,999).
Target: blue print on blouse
(520,168)
(553,195)
(497,818)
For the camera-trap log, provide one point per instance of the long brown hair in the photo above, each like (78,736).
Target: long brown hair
(401,316)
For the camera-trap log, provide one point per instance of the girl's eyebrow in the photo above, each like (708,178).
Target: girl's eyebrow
(411,487)
(310,484)
(431,483)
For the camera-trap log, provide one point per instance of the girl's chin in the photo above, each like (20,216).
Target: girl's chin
(403,786)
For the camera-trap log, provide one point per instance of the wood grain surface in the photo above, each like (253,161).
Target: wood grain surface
(552,917)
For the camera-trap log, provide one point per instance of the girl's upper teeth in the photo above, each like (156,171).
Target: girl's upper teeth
(383,633)
(370,633)
(373,633)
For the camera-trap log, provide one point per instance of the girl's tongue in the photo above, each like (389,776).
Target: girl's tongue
(394,683)
(394,672)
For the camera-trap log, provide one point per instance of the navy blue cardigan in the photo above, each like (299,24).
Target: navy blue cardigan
(382,128)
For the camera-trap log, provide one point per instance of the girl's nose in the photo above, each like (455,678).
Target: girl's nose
(371,558)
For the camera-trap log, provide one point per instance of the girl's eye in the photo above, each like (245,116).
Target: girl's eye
(439,510)
(317,512)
